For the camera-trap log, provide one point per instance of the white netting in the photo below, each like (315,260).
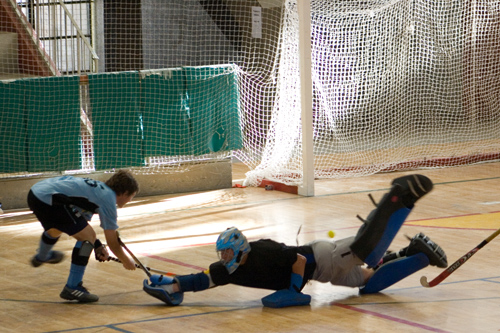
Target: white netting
(157,85)
(396,84)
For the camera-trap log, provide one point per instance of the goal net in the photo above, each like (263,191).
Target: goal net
(396,85)
(159,85)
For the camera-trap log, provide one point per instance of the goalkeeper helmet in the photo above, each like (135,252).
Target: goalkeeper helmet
(232,239)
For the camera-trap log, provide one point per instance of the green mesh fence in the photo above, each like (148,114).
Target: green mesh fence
(116,119)
(53,123)
(165,115)
(40,125)
(119,120)
(12,128)
(214,120)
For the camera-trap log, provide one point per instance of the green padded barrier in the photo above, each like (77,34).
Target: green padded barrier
(116,120)
(13,150)
(214,109)
(53,128)
(165,115)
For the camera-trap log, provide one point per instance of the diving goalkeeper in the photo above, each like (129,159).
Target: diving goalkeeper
(286,269)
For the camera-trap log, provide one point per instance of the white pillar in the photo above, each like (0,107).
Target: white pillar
(304,12)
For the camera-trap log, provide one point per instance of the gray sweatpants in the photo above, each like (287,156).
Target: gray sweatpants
(335,263)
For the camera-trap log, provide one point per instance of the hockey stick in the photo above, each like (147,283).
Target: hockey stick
(297,237)
(437,280)
(153,270)
(137,261)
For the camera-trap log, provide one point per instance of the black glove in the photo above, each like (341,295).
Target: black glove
(100,251)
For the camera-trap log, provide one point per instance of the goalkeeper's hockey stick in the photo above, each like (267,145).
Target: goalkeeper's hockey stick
(457,264)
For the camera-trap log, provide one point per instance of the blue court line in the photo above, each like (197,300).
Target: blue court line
(114,326)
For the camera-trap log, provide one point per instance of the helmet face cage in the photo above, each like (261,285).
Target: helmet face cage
(232,239)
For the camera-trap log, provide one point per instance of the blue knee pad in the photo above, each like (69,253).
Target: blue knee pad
(381,226)
(394,271)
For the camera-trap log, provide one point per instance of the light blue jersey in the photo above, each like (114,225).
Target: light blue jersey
(88,196)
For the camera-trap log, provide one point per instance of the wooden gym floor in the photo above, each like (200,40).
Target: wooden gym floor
(176,233)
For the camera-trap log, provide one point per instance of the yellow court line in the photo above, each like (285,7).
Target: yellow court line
(476,221)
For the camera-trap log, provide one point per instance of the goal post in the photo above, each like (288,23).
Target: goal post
(304,11)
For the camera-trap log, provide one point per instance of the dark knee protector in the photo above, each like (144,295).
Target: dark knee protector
(81,253)
(49,240)
(193,282)
(394,271)
(380,228)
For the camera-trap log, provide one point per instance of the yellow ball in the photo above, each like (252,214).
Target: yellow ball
(331,234)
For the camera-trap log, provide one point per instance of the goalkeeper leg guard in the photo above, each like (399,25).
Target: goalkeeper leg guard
(383,223)
(394,271)
(380,227)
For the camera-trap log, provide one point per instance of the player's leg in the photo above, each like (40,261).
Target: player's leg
(396,266)
(45,253)
(74,289)
(420,243)
(45,214)
(383,223)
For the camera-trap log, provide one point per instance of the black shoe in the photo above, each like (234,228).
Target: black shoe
(80,293)
(414,187)
(55,257)
(423,244)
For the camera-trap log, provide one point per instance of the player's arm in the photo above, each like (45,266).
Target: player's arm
(298,269)
(193,282)
(209,278)
(291,296)
(114,245)
(171,289)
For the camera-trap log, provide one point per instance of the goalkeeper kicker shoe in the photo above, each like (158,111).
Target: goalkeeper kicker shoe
(422,243)
(414,187)
(55,257)
(80,293)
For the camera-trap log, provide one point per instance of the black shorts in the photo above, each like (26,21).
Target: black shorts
(60,217)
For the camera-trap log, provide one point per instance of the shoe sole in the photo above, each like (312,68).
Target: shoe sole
(417,185)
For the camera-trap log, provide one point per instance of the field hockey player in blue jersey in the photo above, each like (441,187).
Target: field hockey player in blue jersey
(66,205)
